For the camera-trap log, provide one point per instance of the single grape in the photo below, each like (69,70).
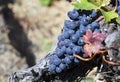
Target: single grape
(56,61)
(58,70)
(118,8)
(82,29)
(60,44)
(95,25)
(71,32)
(110,5)
(77,49)
(73,14)
(66,35)
(93,14)
(77,23)
(90,27)
(70,24)
(71,45)
(65,29)
(51,67)
(62,66)
(74,38)
(80,41)
(63,49)
(67,42)
(69,50)
(76,60)
(53,57)
(84,21)
(67,60)
(119,12)
(78,33)
(59,53)
(71,57)
(61,37)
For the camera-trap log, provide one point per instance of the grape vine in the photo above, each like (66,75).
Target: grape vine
(108,8)
(81,37)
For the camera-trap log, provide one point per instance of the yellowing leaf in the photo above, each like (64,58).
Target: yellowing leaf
(93,42)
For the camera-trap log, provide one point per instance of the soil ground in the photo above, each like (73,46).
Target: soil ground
(41,23)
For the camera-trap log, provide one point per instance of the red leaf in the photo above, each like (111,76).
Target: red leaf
(87,50)
(88,37)
(99,36)
(93,42)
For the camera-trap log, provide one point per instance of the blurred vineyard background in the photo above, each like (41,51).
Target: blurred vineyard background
(41,22)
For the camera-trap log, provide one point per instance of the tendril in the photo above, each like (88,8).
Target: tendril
(101,52)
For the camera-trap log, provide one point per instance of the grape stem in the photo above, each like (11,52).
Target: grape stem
(99,18)
(102,52)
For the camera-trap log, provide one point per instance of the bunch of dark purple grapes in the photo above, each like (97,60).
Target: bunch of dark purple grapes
(71,40)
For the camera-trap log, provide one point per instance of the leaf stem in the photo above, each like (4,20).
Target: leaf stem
(99,18)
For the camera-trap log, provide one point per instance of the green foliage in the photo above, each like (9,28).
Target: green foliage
(109,15)
(45,2)
(97,5)
(90,4)
(89,80)
(118,20)
(84,5)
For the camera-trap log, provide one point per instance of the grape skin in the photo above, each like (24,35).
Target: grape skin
(93,14)
(58,70)
(73,14)
(52,67)
(62,66)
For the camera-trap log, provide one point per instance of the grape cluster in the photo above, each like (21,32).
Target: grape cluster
(71,39)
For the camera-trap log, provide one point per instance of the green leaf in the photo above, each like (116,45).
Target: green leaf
(100,3)
(108,15)
(90,4)
(118,20)
(96,2)
(84,5)
(89,80)
(45,2)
